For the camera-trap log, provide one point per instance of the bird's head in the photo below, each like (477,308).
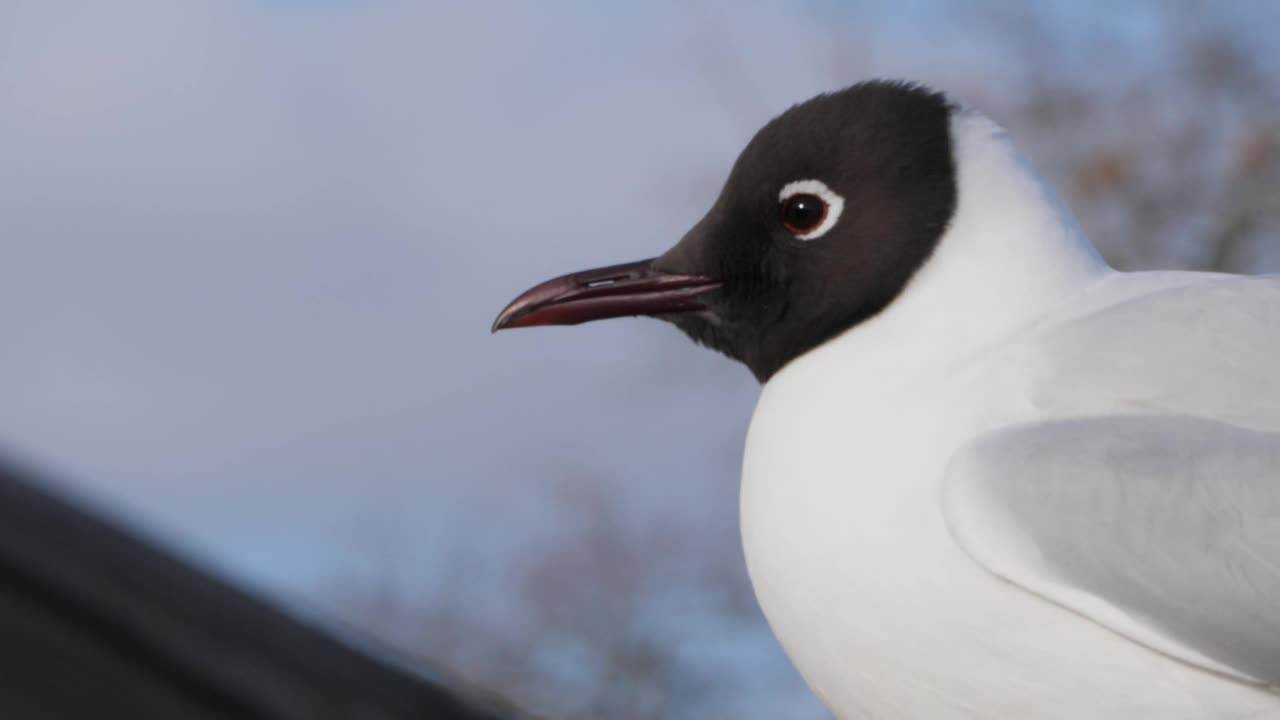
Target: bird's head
(825,217)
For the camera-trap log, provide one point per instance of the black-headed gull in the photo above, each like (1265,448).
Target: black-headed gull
(988,476)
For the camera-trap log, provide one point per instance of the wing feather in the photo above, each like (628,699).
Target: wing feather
(1151,502)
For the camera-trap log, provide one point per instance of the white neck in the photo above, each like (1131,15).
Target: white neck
(1012,253)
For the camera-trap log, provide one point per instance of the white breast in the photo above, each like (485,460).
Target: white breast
(878,607)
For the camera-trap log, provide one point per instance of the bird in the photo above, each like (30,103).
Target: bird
(987,475)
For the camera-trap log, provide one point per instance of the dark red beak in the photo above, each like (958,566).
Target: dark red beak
(614,291)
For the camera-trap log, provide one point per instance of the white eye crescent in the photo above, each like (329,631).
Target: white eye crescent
(808,208)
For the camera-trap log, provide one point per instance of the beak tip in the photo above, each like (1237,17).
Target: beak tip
(508,318)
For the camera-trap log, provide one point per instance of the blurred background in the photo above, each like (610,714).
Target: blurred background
(250,252)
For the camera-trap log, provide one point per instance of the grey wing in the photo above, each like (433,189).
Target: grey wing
(1164,528)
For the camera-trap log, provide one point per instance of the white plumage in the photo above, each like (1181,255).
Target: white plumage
(1032,487)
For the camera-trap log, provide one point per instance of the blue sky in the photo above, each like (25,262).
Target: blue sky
(251,252)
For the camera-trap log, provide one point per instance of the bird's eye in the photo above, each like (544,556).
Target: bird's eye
(802,212)
(808,208)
